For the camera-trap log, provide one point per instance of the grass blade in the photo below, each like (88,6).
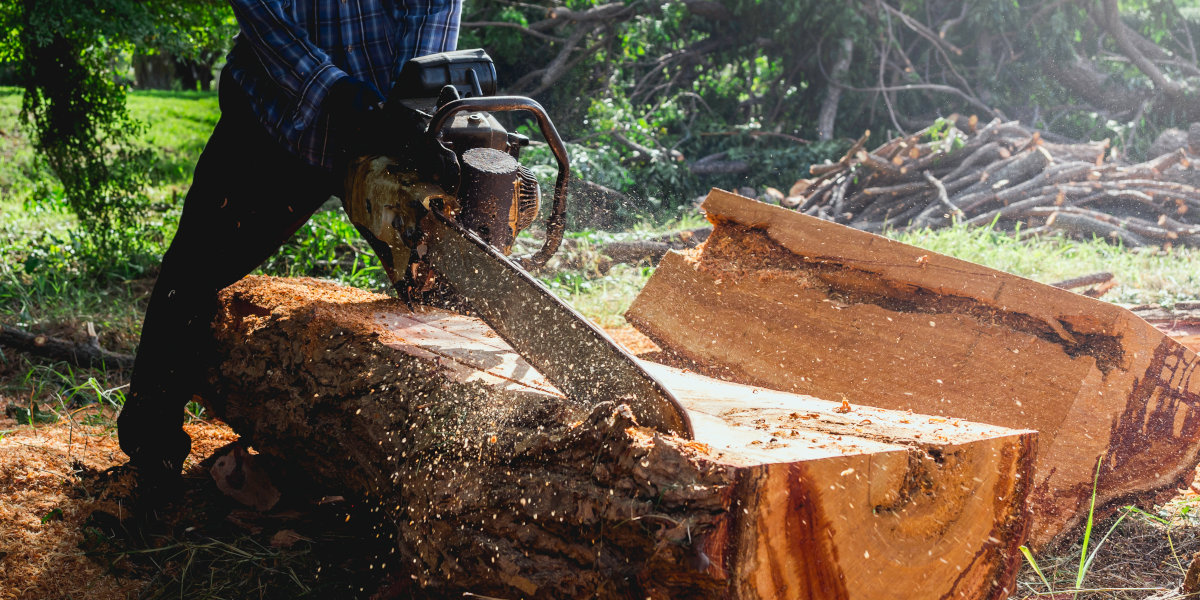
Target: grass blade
(1087,532)
(1036,568)
(1088,565)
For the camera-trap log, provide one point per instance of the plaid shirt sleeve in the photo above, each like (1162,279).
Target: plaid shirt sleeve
(290,52)
(427,27)
(294,63)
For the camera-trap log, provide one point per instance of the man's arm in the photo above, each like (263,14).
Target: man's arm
(292,61)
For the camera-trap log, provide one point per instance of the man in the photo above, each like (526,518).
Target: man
(304,80)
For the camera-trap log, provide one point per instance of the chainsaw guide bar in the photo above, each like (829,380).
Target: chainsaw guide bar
(568,349)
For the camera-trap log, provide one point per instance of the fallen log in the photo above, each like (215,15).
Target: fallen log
(579,254)
(1097,284)
(778,299)
(86,354)
(498,486)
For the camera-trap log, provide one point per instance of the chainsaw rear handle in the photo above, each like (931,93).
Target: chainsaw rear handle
(557,222)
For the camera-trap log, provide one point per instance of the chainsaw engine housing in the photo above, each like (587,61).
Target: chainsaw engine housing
(493,196)
(497,197)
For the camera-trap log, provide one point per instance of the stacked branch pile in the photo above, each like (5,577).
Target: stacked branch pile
(1007,174)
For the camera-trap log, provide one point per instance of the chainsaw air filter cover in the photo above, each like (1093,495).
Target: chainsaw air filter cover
(529,200)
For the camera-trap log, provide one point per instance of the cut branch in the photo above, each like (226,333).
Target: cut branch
(86,354)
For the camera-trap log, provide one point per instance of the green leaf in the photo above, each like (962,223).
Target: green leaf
(27,416)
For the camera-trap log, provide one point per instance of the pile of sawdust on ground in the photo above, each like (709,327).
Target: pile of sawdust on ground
(42,512)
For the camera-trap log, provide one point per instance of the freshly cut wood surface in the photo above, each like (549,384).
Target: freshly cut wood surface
(499,486)
(778,299)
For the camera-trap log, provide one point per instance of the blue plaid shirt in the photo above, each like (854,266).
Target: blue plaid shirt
(290,52)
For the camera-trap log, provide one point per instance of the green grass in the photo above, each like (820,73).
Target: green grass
(42,286)
(177,127)
(601,298)
(329,247)
(1143,276)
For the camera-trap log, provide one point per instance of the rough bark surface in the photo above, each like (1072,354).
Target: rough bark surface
(496,485)
(823,309)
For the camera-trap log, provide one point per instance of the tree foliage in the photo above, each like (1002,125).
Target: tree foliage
(695,82)
(667,97)
(75,104)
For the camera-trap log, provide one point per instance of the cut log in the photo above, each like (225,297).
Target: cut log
(498,486)
(1007,177)
(785,301)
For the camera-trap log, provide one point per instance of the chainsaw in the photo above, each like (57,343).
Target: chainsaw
(446,239)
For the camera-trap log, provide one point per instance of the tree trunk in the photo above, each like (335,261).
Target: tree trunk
(833,93)
(826,310)
(499,486)
(153,71)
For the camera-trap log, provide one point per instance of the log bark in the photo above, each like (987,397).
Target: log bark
(498,486)
(822,309)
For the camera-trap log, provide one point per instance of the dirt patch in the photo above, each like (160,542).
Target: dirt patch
(43,508)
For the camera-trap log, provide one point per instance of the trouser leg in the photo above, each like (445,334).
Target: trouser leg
(248,196)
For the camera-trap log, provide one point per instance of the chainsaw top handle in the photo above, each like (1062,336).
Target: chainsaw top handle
(557,222)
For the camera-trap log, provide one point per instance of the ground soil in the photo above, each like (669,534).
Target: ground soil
(44,506)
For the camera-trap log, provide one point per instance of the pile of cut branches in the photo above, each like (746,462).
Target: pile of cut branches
(1007,175)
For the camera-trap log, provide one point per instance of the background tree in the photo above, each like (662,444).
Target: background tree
(664,99)
(184,54)
(701,92)
(74,102)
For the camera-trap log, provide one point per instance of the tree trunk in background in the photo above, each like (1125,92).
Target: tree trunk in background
(827,118)
(498,486)
(162,70)
(826,310)
(153,71)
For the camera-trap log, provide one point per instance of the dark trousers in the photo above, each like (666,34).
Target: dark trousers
(248,196)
